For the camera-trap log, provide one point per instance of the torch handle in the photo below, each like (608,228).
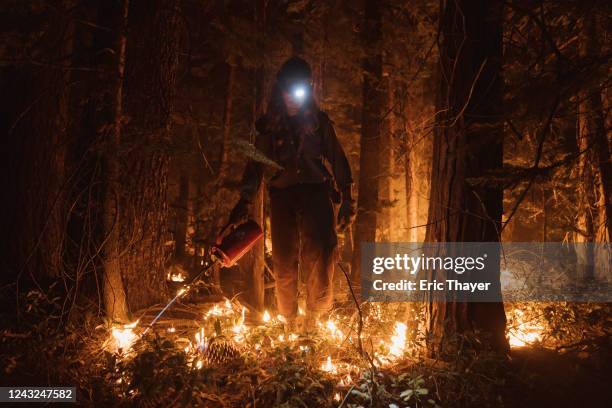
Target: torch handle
(209,264)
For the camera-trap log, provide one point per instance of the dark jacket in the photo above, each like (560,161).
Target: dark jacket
(316,158)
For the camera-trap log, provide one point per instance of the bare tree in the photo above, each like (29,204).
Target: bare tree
(374,107)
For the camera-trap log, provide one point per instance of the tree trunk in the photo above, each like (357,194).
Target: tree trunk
(151,66)
(182,214)
(374,105)
(230,67)
(255,263)
(35,139)
(385,181)
(592,137)
(115,301)
(467,144)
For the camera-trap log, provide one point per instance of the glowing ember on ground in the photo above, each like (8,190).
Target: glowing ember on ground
(266,317)
(398,340)
(176,277)
(346,381)
(328,366)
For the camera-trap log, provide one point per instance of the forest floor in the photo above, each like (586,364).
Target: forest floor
(550,379)
(223,355)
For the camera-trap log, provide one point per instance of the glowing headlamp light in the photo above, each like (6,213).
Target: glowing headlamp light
(299,93)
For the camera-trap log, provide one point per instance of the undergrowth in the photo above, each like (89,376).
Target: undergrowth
(40,348)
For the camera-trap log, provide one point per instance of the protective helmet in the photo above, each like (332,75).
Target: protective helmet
(294,70)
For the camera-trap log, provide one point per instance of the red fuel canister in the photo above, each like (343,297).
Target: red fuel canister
(237,243)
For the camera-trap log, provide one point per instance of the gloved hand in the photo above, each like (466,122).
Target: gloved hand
(346,214)
(240,213)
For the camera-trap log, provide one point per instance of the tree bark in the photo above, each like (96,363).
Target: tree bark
(35,140)
(115,301)
(467,144)
(230,67)
(374,105)
(255,263)
(141,176)
(593,138)
(182,215)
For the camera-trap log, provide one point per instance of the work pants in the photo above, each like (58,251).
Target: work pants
(303,233)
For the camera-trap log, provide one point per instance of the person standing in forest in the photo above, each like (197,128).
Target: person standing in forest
(314,175)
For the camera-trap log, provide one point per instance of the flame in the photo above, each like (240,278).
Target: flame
(266,317)
(176,277)
(199,364)
(328,366)
(301,311)
(214,311)
(398,340)
(337,397)
(524,332)
(124,336)
(239,329)
(334,331)
(201,341)
(218,310)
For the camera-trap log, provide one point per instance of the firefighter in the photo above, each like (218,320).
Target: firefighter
(314,175)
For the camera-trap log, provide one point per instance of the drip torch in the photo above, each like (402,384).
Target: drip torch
(227,251)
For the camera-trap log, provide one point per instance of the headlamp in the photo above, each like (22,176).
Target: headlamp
(299,93)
